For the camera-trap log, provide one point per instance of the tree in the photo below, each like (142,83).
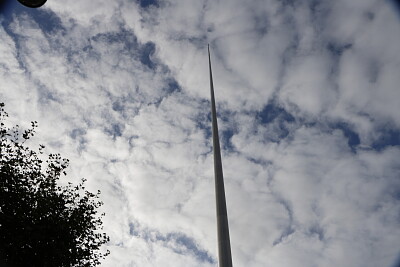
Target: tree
(42,223)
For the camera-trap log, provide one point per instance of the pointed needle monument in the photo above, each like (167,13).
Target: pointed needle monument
(224,245)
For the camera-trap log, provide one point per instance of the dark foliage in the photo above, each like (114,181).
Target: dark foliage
(43,224)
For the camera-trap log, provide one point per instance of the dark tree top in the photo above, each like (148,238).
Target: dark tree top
(43,224)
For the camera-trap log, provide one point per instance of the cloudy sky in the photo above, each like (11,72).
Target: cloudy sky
(308,99)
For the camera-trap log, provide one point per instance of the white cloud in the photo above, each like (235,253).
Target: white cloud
(297,193)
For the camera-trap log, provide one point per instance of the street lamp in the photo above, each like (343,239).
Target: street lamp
(32,3)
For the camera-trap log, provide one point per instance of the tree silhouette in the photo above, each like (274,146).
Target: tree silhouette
(43,224)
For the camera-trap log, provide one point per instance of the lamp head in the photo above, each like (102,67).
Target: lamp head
(32,3)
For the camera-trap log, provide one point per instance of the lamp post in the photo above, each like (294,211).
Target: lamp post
(32,3)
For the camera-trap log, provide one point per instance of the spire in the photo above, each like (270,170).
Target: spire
(224,245)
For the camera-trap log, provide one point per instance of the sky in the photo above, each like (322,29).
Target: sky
(308,105)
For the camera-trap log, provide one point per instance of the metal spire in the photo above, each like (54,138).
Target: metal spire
(224,245)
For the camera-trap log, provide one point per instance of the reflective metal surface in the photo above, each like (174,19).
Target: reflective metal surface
(224,244)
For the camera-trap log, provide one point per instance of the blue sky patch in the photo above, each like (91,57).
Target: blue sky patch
(178,242)
(115,130)
(338,49)
(189,244)
(276,120)
(353,139)
(271,112)
(117,106)
(316,230)
(203,119)
(173,86)
(225,134)
(146,51)
(288,231)
(8,8)
(47,20)
(387,137)
(147,3)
